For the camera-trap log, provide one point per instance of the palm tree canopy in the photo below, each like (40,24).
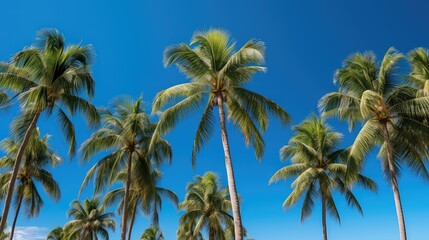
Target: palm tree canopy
(370,91)
(125,130)
(217,70)
(89,221)
(51,77)
(37,156)
(207,207)
(152,233)
(319,167)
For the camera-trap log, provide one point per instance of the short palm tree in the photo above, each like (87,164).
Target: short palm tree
(37,156)
(319,167)
(207,207)
(218,73)
(57,233)
(51,78)
(393,114)
(145,193)
(127,131)
(152,233)
(89,221)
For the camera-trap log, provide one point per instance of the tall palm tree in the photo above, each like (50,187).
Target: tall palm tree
(392,112)
(152,233)
(218,73)
(319,167)
(89,221)
(37,156)
(127,131)
(57,233)
(207,207)
(48,79)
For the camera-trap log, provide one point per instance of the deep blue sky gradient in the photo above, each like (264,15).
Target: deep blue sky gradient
(306,41)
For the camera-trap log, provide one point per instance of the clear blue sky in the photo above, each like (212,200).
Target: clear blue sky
(306,41)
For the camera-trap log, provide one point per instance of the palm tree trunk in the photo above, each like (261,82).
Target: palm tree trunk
(230,174)
(324,227)
(18,207)
(16,166)
(394,182)
(132,221)
(125,207)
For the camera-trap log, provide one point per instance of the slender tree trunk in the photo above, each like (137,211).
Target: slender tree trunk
(127,189)
(394,182)
(16,166)
(238,230)
(18,207)
(132,221)
(324,227)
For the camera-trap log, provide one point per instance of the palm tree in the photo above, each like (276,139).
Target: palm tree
(392,114)
(207,206)
(89,221)
(36,157)
(152,233)
(320,168)
(127,131)
(51,78)
(57,233)
(144,193)
(218,73)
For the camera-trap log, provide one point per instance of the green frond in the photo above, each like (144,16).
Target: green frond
(308,203)
(204,132)
(172,115)
(332,208)
(365,139)
(258,105)
(68,131)
(188,60)
(181,90)
(288,171)
(241,119)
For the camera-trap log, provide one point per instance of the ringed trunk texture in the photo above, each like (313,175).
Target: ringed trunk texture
(12,230)
(16,166)
(324,227)
(238,230)
(132,221)
(127,189)
(394,182)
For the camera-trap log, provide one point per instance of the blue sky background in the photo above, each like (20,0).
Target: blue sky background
(306,41)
